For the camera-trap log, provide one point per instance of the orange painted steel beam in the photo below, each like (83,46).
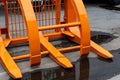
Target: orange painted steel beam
(93,47)
(58,13)
(4,30)
(54,53)
(32,28)
(6,19)
(25,56)
(100,51)
(68,33)
(6,42)
(19,40)
(59,26)
(84,33)
(86,43)
(8,63)
(47,52)
(54,35)
(84,28)
(25,39)
(70,15)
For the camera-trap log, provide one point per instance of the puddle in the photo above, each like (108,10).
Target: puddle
(62,43)
(109,7)
(101,37)
(84,69)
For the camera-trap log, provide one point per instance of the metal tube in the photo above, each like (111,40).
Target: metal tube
(59,26)
(47,52)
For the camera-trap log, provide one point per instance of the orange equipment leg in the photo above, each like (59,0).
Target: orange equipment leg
(84,33)
(7,61)
(33,35)
(54,53)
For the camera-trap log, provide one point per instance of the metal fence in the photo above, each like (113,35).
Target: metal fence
(48,12)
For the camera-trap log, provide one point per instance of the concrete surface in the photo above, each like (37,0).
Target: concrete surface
(101,20)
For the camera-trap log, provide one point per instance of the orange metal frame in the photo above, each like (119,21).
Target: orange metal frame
(36,23)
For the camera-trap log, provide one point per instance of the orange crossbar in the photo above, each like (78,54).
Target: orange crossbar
(47,52)
(59,26)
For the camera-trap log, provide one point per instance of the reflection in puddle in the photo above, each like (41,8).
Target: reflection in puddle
(84,69)
(101,38)
(53,74)
(79,72)
(105,60)
(75,73)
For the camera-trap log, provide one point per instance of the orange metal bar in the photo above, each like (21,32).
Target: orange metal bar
(59,26)
(54,53)
(84,28)
(100,51)
(85,42)
(47,52)
(55,35)
(6,42)
(19,40)
(70,15)
(58,12)
(7,61)
(6,18)
(3,30)
(21,57)
(33,35)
